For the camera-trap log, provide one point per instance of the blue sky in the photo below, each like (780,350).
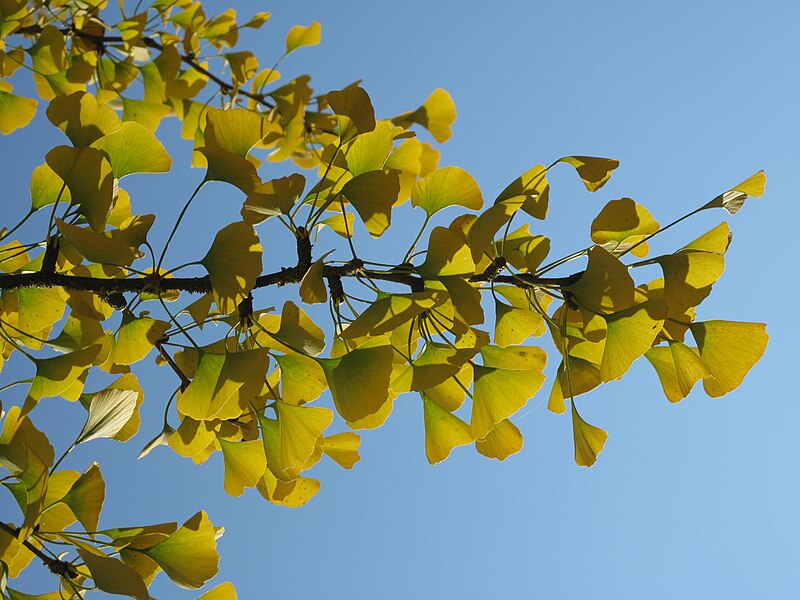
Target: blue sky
(694,500)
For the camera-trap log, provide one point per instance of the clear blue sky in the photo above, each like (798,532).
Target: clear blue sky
(694,500)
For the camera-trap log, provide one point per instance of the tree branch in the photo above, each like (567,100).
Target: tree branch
(54,565)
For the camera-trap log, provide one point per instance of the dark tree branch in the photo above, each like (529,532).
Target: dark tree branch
(54,565)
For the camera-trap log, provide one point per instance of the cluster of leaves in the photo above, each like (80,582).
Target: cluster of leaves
(248,394)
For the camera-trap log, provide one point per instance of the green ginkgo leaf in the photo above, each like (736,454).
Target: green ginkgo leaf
(136,337)
(630,333)
(371,149)
(15,111)
(359,380)
(589,440)
(133,148)
(147,113)
(82,118)
(109,411)
(342,448)
(245,464)
(623,224)
(354,111)
(734,198)
(235,244)
(300,36)
(729,349)
(112,575)
(448,186)
(188,556)
(302,379)
(47,187)
(593,171)
(437,114)
(443,431)
(90,180)
(503,441)
(373,194)
(86,496)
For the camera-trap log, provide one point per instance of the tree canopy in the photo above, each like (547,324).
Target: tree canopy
(446,322)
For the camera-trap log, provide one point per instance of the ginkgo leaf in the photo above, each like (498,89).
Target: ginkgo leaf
(583,377)
(678,367)
(301,429)
(437,114)
(162,439)
(235,244)
(312,286)
(245,464)
(371,149)
(445,187)
(133,148)
(294,328)
(136,337)
(589,440)
(389,311)
(188,556)
(359,380)
(112,575)
(302,379)
(498,394)
(503,440)
(89,177)
(224,591)
(98,247)
(86,496)
(147,113)
(605,286)
(734,198)
(729,349)
(55,375)
(489,223)
(354,111)
(447,255)
(109,411)
(224,385)
(47,187)
(277,463)
(531,190)
(274,197)
(292,494)
(515,325)
(15,112)
(82,118)
(36,308)
(622,224)
(373,194)
(243,64)
(630,333)
(300,36)
(593,171)
(443,431)
(342,448)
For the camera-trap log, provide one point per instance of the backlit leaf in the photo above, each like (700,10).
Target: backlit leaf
(443,431)
(82,118)
(354,111)
(593,171)
(291,494)
(55,375)
(605,286)
(135,338)
(235,244)
(342,448)
(224,591)
(630,333)
(15,112)
(589,440)
(274,197)
(733,199)
(678,367)
(302,379)
(109,411)
(389,312)
(133,148)
(300,36)
(112,575)
(621,224)
(445,187)
(373,194)
(85,497)
(503,441)
(498,394)
(530,190)
(301,429)
(245,464)
(437,114)
(312,287)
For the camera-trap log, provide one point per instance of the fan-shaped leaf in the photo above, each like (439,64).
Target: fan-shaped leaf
(109,411)
(445,187)
(589,440)
(443,431)
(235,244)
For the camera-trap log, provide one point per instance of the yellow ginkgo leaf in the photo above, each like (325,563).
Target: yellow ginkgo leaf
(359,380)
(112,575)
(443,431)
(312,287)
(678,367)
(188,556)
(447,254)
(448,186)
(147,113)
(192,437)
(437,114)
(85,497)
(135,338)
(133,148)
(605,286)
(300,36)
(373,194)
(629,334)
(243,64)
(342,448)
(82,118)
(274,197)
(15,112)
(498,394)
(593,171)
(292,331)
(98,247)
(292,494)
(354,111)
(55,375)
(302,379)
(733,199)
(370,150)
(623,224)
(301,430)
(235,244)
(583,377)
(224,591)
(503,441)
(390,311)
(729,349)
(245,464)
(90,179)
(489,223)
(589,440)
(531,190)
(47,187)
(515,325)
